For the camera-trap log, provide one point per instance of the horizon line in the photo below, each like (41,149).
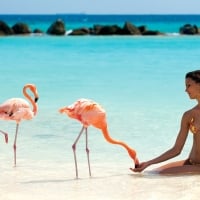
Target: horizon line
(82,13)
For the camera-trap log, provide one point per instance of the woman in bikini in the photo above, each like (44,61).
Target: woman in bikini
(190,122)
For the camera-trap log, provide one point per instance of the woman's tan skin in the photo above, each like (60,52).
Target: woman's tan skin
(192,82)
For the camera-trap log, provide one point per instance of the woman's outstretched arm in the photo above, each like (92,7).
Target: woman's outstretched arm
(172,152)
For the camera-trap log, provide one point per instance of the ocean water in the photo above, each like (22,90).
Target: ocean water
(140,83)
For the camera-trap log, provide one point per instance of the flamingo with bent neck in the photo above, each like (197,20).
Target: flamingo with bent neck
(18,109)
(89,113)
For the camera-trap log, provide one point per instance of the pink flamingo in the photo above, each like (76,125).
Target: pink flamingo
(88,113)
(18,109)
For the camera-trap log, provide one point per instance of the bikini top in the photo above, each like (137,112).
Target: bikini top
(192,127)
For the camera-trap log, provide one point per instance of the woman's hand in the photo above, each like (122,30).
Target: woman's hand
(140,167)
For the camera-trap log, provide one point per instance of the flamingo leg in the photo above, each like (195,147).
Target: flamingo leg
(87,151)
(74,149)
(14,145)
(6,136)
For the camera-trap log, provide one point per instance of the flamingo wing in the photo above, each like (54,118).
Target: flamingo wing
(94,115)
(15,109)
(87,112)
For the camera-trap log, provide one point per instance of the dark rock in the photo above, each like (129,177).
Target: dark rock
(142,29)
(80,31)
(37,31)
(150,32)
(189,29)
(5,29)
(109,30)
(57,28)
(130,29)
(21,28)
(96,29)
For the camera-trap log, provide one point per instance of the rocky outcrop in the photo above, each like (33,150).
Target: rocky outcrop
(80,31)
(21,28)
(189,29)
(109,30)
(57,28)
(37,31)
(150,32)
(5,29)
(130,29)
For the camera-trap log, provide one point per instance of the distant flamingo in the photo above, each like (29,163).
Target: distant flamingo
(19,109)
(89,113)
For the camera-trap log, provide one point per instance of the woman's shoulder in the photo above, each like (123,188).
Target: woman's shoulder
(189,113)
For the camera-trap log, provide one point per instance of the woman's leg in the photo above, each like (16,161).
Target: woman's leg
(178,168)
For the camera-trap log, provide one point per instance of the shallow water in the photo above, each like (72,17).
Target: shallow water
(140,83)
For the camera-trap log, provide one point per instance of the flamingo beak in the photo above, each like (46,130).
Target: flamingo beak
(36,99)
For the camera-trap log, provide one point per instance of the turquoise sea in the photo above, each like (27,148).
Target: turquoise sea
(138,80)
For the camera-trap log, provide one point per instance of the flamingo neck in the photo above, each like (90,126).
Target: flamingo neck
(131,152)
(35,108)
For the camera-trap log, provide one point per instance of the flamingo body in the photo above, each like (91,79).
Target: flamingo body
(89,113)
(18,109)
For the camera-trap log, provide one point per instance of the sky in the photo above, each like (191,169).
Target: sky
(100,6)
